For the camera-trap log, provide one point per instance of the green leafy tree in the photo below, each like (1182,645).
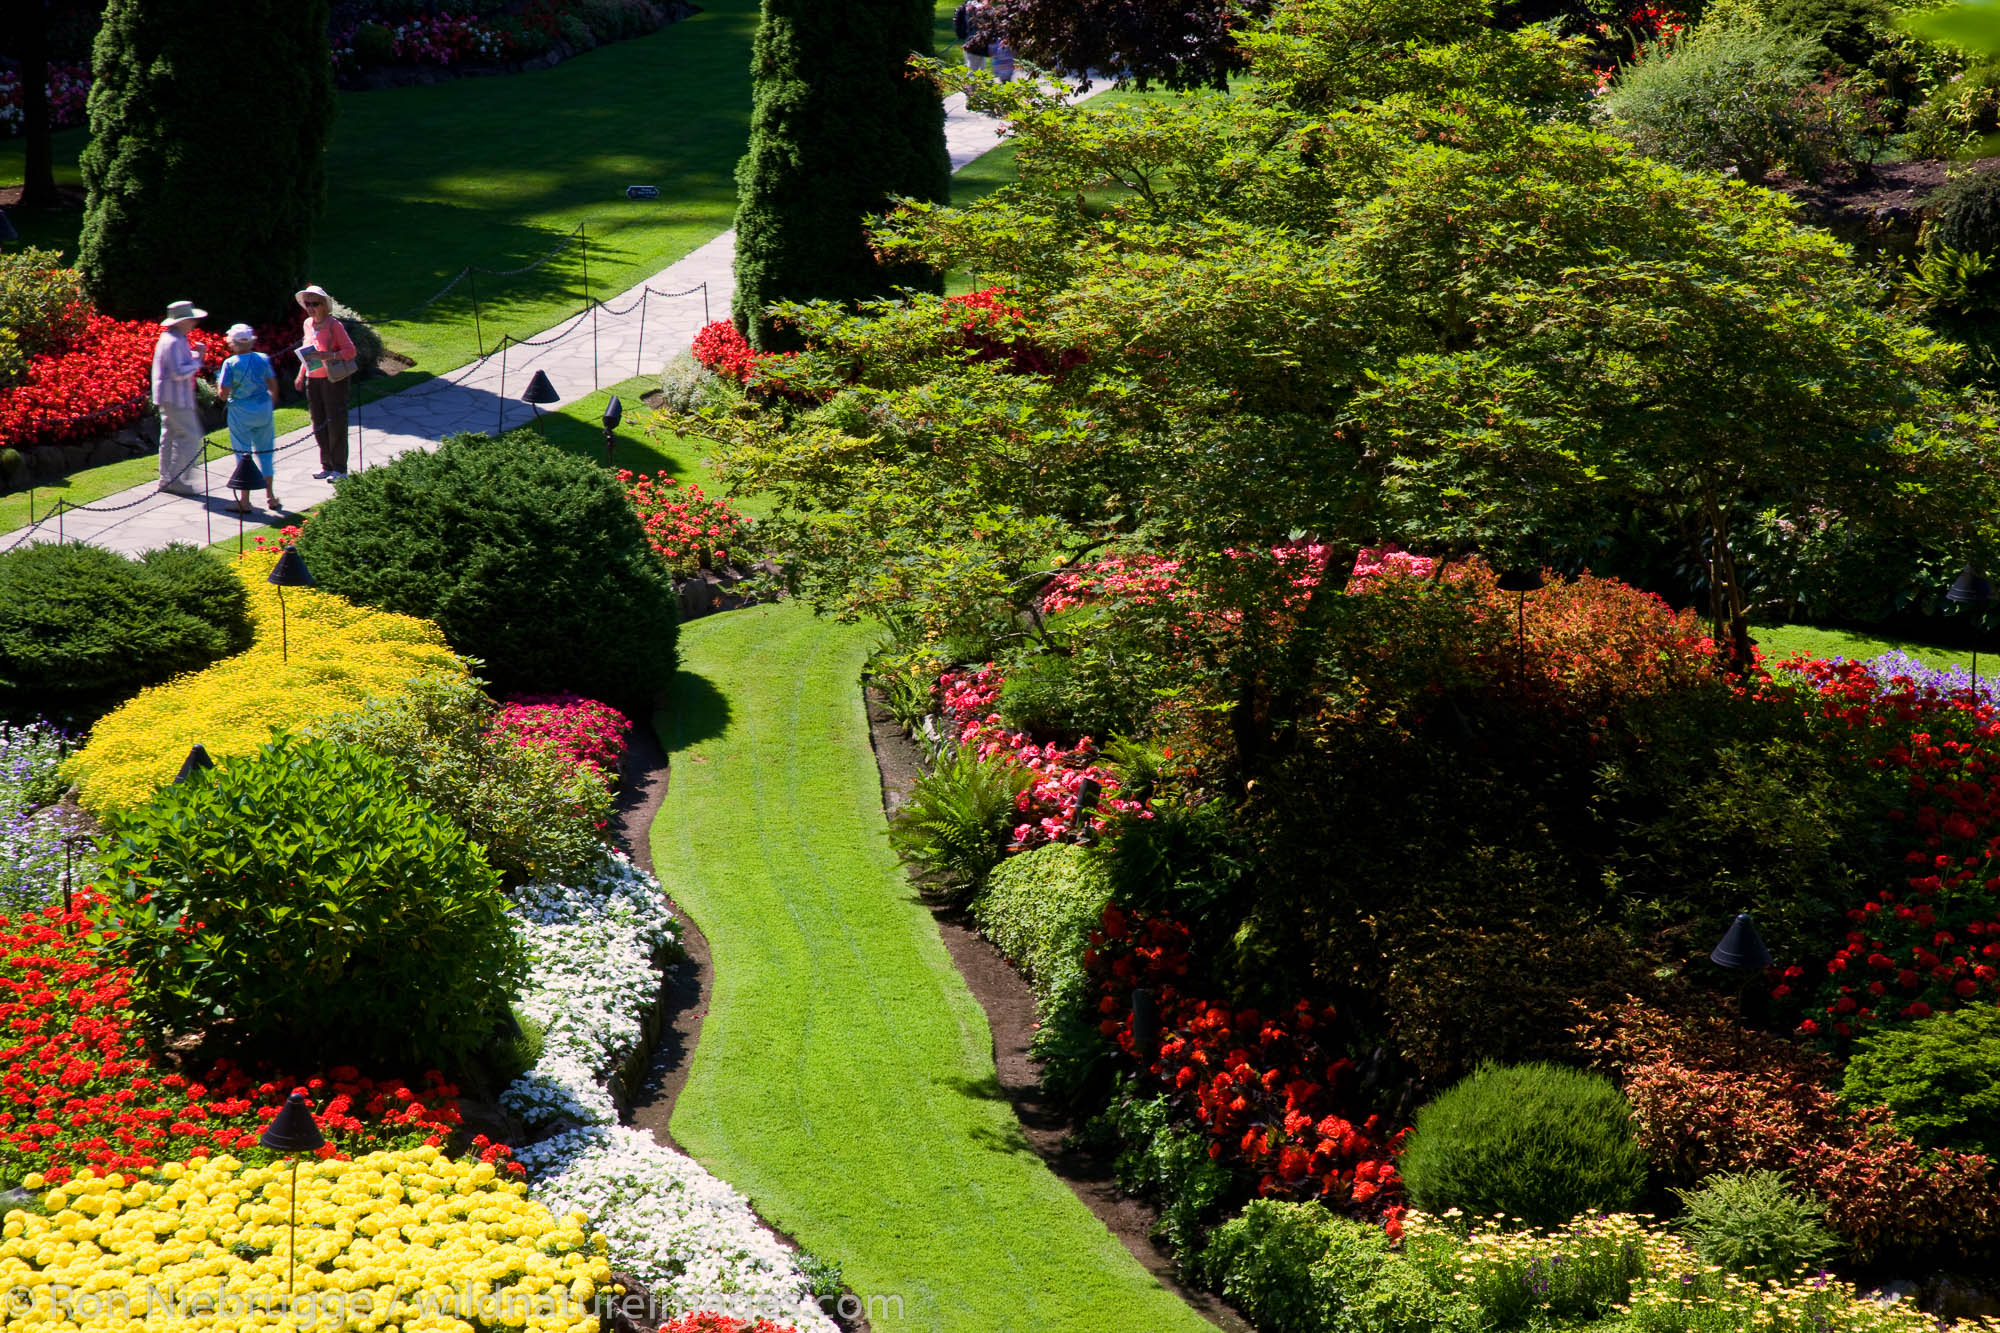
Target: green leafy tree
(841,128)
(169,168)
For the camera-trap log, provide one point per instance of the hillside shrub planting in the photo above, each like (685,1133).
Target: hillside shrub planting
(82,627)
(527,558)
(340,657)
(301,892)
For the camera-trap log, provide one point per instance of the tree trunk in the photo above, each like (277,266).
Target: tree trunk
(1732,591)
(38,184)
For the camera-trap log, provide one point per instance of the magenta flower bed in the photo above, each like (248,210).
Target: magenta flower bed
(586,732)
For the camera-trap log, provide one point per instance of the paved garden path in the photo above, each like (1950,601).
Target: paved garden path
(634,333)
(844,1079)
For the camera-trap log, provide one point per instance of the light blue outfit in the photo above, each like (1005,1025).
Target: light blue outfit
(250,421)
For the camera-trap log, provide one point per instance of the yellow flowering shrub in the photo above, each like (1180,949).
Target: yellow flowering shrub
(1636,1278)
(411,1241)
(341,655)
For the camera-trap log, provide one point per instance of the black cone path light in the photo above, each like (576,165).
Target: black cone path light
(289,572)
(539,392)
(1520,582)
(293,1131)
(1741,950)
(1971,589)
(246,478)
(196,761)
(614,412)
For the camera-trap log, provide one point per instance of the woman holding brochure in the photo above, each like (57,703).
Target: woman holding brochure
(326,359)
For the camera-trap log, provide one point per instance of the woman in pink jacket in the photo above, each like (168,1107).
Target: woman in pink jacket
(326,398)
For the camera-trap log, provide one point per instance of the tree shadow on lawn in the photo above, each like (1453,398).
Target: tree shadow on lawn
(1005,1138)
(696,711)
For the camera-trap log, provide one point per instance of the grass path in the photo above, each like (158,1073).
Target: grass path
(844,1079)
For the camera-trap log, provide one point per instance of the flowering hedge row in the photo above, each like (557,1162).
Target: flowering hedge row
(397,1240)
(96,385)
(78,1087)
(691,529)
(585,732)
(1700,1109)
(340,656)
(1052,807)
(1262,1088)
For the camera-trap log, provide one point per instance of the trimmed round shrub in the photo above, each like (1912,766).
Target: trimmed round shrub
(1752,1224)
(303,895)
(81,627)
(1039,908)
(1940,1075)
(530,559)
(1537,1142)
(1965,214)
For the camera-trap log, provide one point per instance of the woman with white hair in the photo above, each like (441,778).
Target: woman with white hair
(249,386)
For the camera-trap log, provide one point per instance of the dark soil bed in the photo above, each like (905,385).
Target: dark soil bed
(1882,209)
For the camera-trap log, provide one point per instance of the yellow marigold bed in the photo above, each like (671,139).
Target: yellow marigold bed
(341,655)
(395,1240)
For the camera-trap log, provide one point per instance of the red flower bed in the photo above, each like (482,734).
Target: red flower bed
(583,731)
(996,330)
(1699,1109)
(78,1088)
(706,1321)
(691,529)
(1052,808)
(102,382)
(722,348)
(1933,943)
(1265,1091)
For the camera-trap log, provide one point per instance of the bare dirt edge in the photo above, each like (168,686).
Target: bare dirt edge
(1010,1013)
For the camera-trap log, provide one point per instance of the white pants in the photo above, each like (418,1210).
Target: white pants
(974,62)
(180,444)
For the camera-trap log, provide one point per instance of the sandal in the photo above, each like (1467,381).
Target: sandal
(274,504)
(240,507)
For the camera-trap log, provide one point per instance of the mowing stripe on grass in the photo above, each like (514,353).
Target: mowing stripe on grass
(844,1079)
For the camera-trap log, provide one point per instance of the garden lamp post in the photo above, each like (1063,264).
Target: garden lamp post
(1971,589)
(246,478)
(1087,793)
(289,572)
(1521,582)
(1145,1024)
(538,392)
(614,412)
(1741,950)
(292,1131)
(7,232)
(196,761)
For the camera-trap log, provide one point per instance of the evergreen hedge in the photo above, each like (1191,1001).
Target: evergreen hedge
(190,197)
(839,125)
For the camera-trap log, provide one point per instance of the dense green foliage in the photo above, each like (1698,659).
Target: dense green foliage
(1157,1158)
(1965,213)
(535,815)
(1297,1268)
(81,627)
(529,559)
(1744,97)
(303,895)
(166,162)
(1940,1075)
(1536,1142)
(840,128)
(1753,1224)
(1039,908)
(41,305)
(956,821)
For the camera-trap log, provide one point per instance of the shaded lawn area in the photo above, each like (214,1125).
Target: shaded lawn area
(1781,641)
(495,171)
(844,1079)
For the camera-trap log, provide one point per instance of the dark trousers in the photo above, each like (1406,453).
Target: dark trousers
(327,401)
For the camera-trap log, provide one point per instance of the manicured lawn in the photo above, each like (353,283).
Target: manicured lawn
(1784,640)
(844,1078)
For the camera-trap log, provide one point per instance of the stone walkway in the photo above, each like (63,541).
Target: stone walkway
(586,351)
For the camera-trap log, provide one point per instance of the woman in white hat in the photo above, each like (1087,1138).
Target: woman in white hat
(175,364)
(249,386)
(326,359)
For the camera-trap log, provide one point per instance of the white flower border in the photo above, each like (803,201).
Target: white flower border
(592,981)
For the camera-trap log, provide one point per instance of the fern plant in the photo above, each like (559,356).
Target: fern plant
(957,821)
(1753,1224)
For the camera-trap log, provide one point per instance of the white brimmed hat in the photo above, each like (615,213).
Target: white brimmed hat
(312,289)
(181,310)
(241,333)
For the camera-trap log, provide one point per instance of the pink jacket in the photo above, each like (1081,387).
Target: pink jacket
(330,338)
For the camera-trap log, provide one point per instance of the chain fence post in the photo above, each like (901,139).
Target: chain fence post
(705,320)
(500,393)
(478,337)
(639,360)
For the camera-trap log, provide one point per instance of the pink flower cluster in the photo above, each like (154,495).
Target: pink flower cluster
(583,731)
(1137,578)
(1389,560)
(69,90)
(1052,806)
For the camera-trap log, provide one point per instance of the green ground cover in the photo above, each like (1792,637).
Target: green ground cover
(844,1079)
(1781,641)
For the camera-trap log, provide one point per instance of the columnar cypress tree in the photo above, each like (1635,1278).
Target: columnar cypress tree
(205,168)
(839,125)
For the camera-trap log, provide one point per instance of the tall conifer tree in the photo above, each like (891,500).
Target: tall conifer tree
(839,125)
(206,168)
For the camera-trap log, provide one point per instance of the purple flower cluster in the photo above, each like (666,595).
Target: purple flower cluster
(1949,681)
(31,850)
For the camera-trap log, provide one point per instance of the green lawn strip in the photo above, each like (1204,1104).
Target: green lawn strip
(1781,641)
(844,1079)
